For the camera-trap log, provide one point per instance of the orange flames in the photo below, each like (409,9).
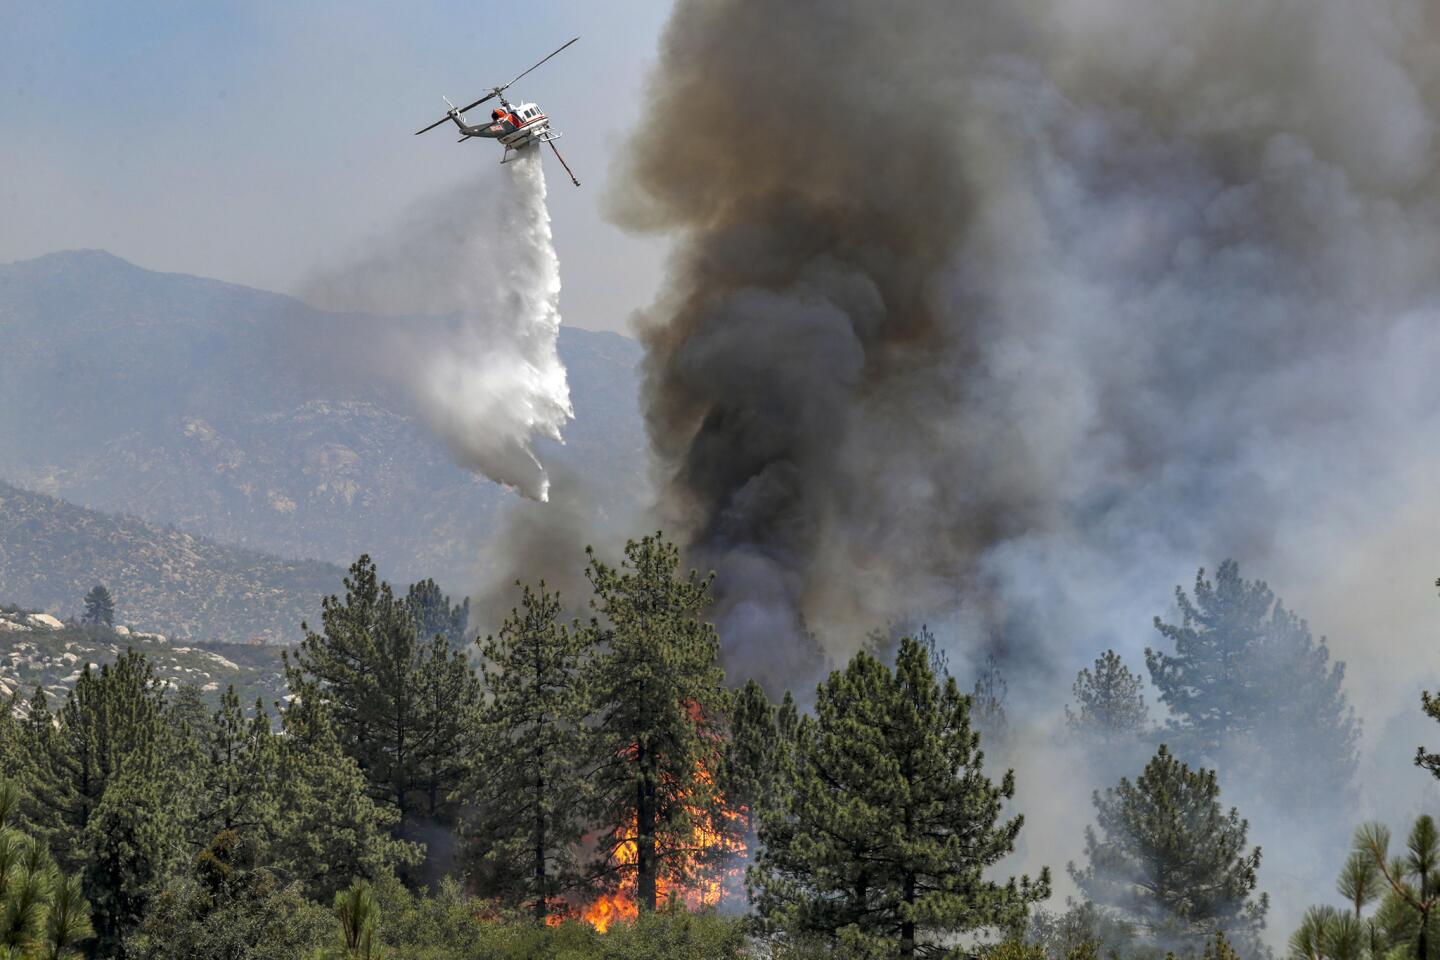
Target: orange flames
(713,860)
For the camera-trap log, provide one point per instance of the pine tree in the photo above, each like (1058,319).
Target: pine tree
(43,914)
(1429,761)
(400,703)
(657,696)
(1409,914)
(449,698)
(1246,673)
(359,913)
(434,616)
(754,753)
(889,822)
(329,830)
(1168,859)
(1108,703)
(987,703)
(128,846)
(99,607)
(527,784)
(1360,881)
(112,722)
(235,786)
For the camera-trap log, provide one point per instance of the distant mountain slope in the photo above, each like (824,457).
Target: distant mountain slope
(39,653)
(243,416)
(187,587)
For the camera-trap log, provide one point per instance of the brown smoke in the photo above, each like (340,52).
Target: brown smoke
(1035,306)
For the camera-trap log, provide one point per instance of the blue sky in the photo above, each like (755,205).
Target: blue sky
(257,142)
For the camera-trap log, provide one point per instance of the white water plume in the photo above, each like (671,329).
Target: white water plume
(500,383)
(485,376)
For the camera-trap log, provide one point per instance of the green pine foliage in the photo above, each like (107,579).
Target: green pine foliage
(527,786)
(1408,918)
(99,607)
(329,830)
(1109,705)
(43,913)
(1405,924)
(657,698)
(755,755)
(578,758)
(402,704)
(104,789)
(128,847)
(1168,859)
(234,787)
(888,823)
(435,616)
(112,721)
(1247,675)
(225,905)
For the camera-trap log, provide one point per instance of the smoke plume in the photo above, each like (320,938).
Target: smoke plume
(485,375)
(1035,306)
(1009,315)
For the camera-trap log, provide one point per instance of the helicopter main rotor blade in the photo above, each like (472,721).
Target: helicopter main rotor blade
(495,92)
(488,96)
(558,49)
(433,125)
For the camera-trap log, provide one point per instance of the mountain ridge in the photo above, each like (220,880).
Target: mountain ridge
(163,579)
(246,417)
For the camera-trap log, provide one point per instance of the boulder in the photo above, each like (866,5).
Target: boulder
(46,621)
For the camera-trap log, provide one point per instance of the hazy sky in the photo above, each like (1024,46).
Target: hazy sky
(257,141)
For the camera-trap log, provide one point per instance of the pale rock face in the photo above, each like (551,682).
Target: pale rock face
(10,626)
(45,620)
(123,631)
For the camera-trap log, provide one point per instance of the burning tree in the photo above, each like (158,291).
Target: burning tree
(657,691)
(888,823)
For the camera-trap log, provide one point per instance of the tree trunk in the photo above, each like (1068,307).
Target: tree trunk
(541,907)
(907,927)
(645,865)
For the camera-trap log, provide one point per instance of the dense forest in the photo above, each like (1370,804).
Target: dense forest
(597,788)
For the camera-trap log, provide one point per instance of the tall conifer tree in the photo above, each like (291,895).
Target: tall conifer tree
(1109,705)
(1168,858)
(401,703)
(527,786)
(1247,675)
(889,823)
(658,696)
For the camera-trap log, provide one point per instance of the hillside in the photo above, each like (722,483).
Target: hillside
(246,417)
(189,587)
(36,650)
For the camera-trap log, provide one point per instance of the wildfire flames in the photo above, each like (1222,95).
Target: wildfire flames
(713,861)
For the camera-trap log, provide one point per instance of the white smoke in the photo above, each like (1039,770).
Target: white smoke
(484,374)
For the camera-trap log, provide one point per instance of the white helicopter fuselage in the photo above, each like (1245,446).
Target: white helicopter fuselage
(534,126)
(515,126)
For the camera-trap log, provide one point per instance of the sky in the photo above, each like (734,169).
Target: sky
(259,142)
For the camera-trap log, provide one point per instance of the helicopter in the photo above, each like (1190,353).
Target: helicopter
(516,126)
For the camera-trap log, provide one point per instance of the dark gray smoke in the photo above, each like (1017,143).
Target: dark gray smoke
(1031,307)
(1008,315)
